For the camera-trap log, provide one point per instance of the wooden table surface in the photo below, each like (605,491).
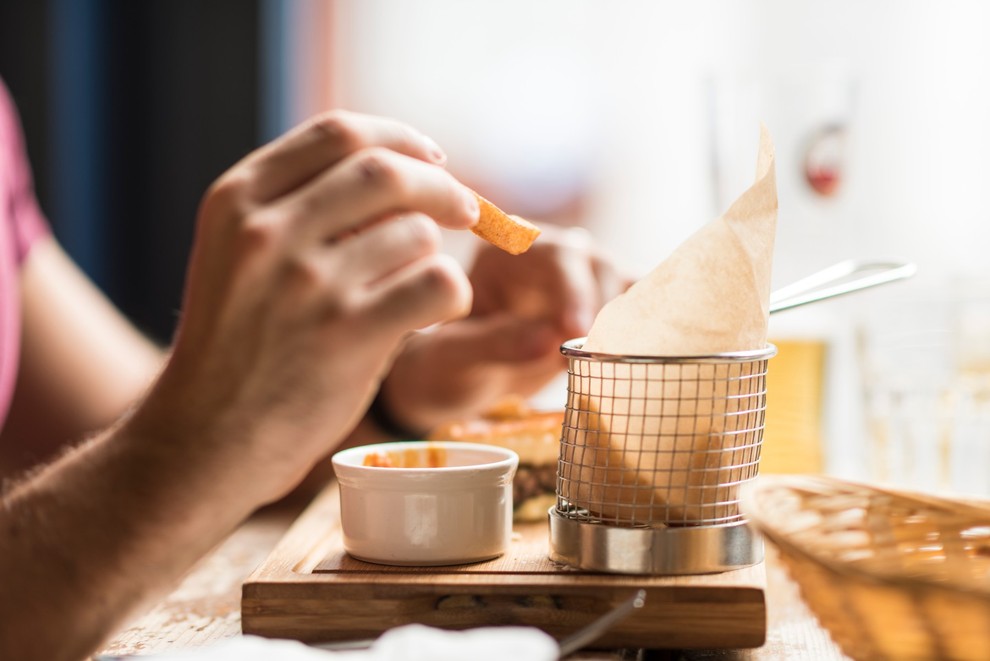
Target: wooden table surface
(206,607)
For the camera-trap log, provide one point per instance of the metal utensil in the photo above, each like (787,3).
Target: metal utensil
(843,278)
(592,632)
(659,501)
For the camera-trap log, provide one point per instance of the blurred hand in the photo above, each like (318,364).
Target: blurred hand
(524,308)
(561,282)
(314,257)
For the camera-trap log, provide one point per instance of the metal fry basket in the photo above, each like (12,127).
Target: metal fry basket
(653,454)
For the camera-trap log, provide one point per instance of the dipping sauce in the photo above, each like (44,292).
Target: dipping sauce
(425,503)
(430,456)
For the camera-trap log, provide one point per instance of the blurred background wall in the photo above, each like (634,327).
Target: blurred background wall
(623,107)
(131,109)
(638,120)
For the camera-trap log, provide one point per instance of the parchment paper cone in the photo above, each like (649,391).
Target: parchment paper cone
(642,436)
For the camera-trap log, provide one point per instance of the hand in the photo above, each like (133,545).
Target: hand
(561,282)
(525,307)
(314,257)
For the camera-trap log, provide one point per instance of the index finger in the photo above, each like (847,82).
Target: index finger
(309,149)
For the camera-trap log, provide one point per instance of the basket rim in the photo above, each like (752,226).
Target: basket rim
(573,349)
(754,517)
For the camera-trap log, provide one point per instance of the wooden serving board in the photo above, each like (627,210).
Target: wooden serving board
(311,590)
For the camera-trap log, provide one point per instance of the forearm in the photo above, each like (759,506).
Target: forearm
(79,357)
(85,543)
(313,258)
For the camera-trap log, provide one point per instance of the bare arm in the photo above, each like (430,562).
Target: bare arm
(314,257)
(82,363)
(65,394)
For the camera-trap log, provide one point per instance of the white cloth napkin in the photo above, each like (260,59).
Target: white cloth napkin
(413,642)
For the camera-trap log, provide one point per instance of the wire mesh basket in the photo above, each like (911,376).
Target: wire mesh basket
(653,453)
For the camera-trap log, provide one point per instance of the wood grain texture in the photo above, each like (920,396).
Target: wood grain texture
(311,590)
(205,608)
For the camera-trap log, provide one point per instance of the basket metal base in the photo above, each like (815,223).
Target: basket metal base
(657,551)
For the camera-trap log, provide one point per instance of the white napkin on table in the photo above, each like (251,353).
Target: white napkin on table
(413,642)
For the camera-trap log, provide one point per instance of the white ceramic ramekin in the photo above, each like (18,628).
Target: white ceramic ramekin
(454,514)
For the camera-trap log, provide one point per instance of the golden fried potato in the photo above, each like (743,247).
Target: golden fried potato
(510,233)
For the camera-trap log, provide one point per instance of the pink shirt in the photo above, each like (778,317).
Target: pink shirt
(21,225)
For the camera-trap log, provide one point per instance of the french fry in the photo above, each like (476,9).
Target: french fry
(510,233)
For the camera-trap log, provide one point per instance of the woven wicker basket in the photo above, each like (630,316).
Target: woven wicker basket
(890,574)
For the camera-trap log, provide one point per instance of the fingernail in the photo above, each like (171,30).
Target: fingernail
(436,154)
(472,207)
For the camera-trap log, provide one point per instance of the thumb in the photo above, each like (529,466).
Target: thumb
(500,338)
